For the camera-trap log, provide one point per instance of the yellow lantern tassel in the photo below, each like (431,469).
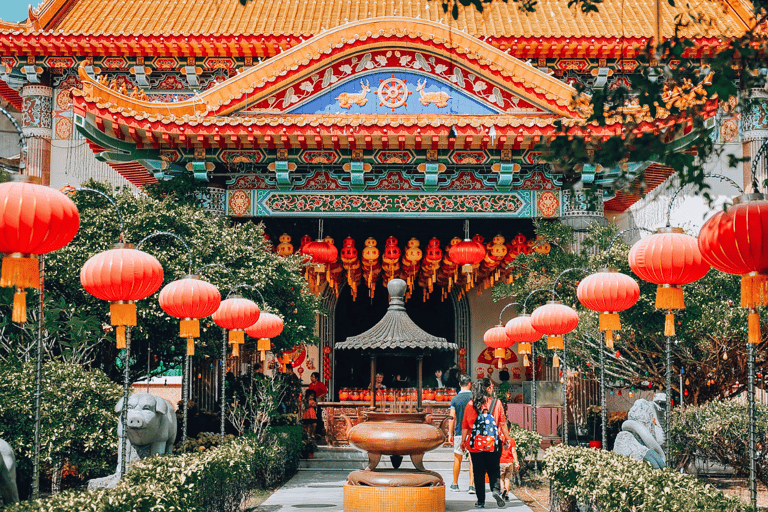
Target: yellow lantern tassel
(20,306)
(20,271)
(189,328)
(755,336)
(526,362)
(754,290)
(669,297)
(236,336)
(555,342)
(609,339)
(122,313)
(609,322)
(190,346)
(235,350)
(669,324)
(120,334)
(466,269)
(555,361)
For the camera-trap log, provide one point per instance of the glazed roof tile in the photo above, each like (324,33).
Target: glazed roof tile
(552,18)
(396,331)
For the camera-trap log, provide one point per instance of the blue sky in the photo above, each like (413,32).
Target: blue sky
(15,10)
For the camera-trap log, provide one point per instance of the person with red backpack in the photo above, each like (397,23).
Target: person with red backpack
(483,433)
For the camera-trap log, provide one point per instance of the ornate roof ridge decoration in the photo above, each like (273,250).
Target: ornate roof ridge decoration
(553,18)
(396,331)
(265,78)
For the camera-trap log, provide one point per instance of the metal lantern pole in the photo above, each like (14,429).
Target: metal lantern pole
(751,403)
(185,399)
(603,411)
(223,379)
(38,383)
(564,370)
(124,410)
(668,388)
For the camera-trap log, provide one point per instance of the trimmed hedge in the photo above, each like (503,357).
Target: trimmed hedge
(208,481)
(528,442)
(609,482)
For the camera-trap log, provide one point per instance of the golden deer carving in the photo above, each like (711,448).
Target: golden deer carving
(347,99)
(440,98)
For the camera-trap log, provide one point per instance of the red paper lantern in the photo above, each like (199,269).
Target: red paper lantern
(521,331)
(321,252)
(34,220)
(122,276)
(554,319)
(236,314)
(189,299)
(736,242)
(670,259)
(468,254)
(266,327)
(608,292)
(497,339)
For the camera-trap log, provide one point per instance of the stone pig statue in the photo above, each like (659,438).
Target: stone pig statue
(150,425)
(9,492)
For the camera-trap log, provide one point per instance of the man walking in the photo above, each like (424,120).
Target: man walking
(458,404)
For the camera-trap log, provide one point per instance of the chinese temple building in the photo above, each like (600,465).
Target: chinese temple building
(389,120)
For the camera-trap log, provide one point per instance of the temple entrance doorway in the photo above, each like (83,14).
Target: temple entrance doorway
(355,317)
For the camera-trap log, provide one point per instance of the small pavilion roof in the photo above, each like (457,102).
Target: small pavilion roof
(396,331)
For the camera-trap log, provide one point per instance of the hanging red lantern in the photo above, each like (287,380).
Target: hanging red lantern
(736,242)
(554,319)
(670,259)
(266,327)
(322,253)
(236,314)
(608,292)
(497,339)
(521,331)
(34,220)
(122,276)
(468,254)
(189,299)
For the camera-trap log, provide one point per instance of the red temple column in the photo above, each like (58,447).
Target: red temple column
(36,124)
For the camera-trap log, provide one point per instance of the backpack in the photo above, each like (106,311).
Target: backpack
(485,432)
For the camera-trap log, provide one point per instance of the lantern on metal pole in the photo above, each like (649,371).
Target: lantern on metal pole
(268,326)
(607,292)
(34,221)
(467,254)
(735,241)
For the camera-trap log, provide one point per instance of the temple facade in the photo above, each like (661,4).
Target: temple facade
(390,121)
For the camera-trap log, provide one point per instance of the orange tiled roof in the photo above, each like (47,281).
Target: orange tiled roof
(552,19)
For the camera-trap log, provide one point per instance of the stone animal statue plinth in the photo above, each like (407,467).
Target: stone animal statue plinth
(642,434)
(9,492)
(151,430)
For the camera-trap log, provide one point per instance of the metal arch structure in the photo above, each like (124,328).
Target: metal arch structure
(22,137)
(755,163)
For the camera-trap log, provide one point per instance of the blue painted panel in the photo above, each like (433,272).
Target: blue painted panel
(404,82)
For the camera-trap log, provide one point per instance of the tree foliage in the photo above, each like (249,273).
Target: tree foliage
(711,332)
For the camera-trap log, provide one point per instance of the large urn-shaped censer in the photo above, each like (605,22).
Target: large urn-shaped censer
(396,435)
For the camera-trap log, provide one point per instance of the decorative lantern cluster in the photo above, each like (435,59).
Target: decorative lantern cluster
(190,299)
(236,314)
(608,292)
(736,242)
(669,258)
(122,276)
(34,220)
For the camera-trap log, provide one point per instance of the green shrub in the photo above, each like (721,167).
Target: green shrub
(614,483)
(211,480)
(528,442)
(719,431)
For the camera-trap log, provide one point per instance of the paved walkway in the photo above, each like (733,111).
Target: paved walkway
(323,491)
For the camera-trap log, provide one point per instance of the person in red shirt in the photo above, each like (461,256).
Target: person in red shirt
(509,466)
(317,386)
(485,462)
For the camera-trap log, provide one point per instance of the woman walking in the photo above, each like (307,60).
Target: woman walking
(485,438)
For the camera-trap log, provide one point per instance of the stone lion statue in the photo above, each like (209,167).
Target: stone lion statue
(642,434)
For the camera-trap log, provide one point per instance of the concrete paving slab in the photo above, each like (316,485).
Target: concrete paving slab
(324,491)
